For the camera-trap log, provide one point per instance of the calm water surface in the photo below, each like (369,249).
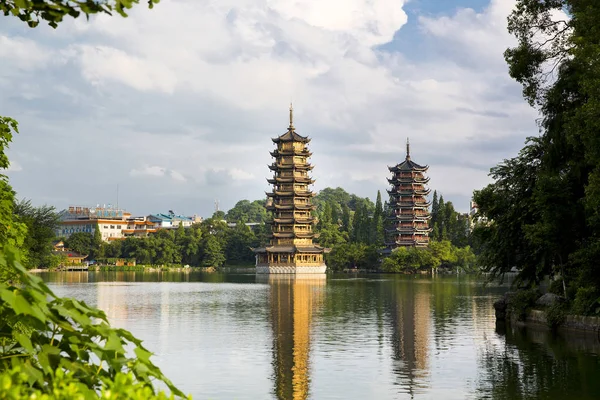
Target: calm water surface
(340,337)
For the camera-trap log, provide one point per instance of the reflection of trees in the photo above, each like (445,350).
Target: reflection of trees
(534,364)
(410,319)
(292,301)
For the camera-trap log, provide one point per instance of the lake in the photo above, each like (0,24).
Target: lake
(227,336)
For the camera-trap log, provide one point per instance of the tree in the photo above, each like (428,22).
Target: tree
(249,211)
(80,242)
(41,223)
(543,208)
(346,219)
(12,232)
(352,255)
(377,231)
(97,245)
(213,252)
(239,241)
(53,11)
(435,207)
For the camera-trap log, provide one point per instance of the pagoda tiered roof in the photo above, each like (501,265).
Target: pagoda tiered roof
(290,204)
(396,180)
(304,153)
(408,165)
(292,249)
(277,167)
(409,229)
(288,193)
(309,207)
(294,220)
(409,217)
(414,192)
(291,136)
(291,179)
(408,222)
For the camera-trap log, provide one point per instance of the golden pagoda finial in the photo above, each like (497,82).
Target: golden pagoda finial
(407,149)
(291,116)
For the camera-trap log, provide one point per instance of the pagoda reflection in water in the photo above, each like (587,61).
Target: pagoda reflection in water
(411,325)
(293,299)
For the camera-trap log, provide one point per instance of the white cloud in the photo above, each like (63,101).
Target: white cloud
(22,52)
(177,176)
(239,175)
(153,170)
(192,91)
(14,167)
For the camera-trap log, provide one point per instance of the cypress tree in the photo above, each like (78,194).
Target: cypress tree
(346,223)
(377,237)
(435,207)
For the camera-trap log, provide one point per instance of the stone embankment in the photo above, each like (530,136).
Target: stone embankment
(538,315)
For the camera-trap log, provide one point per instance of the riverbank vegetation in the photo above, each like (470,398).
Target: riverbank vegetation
(541,215)
(351,226)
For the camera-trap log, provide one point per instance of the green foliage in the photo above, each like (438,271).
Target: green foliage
(239,243)
(247,211)
(352,255)
(80,242)
(41,223)
(53,11)
(556,314)
(543,210)
(447,223)
(376,234)
(214,256)
(15,385)
(438,255)
(521,301)
(42,333)
(587,301)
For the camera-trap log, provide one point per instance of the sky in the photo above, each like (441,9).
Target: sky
(176,106)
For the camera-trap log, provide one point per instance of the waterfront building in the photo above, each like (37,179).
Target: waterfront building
(139,227)
(171,220)
(408,221)
(109,221)
(291,248)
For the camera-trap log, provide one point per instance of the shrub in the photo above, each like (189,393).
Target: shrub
(587,301)
(14,385)
(556,314)
(521,301)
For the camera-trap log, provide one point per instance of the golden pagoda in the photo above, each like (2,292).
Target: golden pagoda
(291,249)
(408,222)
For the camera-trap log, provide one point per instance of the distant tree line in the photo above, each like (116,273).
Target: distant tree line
(211,243)
(351,226)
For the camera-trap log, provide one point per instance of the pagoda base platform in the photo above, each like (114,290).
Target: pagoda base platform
(291,269)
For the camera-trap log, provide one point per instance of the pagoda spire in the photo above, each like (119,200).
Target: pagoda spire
(291,117)
(407,149)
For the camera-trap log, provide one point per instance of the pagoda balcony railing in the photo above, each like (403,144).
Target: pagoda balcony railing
(275,167)
(412,204)
(289,215)
(410,217)
(292,203)
(283,152)
(412,189)
(408,193)
(413,227)
(417,213)
(290,263)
